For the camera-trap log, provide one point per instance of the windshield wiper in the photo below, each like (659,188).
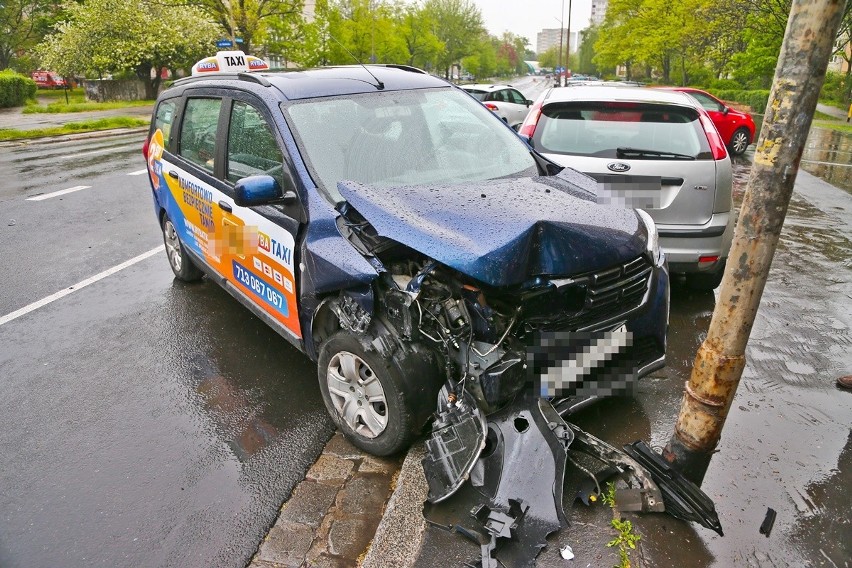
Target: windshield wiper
(625,152)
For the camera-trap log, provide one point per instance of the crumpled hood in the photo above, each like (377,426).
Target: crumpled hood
(503,232)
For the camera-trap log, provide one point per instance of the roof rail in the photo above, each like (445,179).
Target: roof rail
(408,68)
(251,77)
(254,78)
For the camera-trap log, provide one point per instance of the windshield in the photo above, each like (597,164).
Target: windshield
(619,130)
(436,136)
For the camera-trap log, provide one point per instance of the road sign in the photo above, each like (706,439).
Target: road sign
(224,43)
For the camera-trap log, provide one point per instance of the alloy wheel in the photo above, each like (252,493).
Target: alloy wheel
(172,245)
(357,394)
(739,142)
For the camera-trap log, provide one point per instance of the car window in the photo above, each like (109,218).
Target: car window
(252,148)
(707,102)
(405,138)
(599,129)
(163,120)
(198,131)
(516,97)
(477,94)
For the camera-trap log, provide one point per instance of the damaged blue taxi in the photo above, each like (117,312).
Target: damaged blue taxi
(395,231)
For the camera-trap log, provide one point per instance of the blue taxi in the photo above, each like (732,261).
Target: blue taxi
(393,229)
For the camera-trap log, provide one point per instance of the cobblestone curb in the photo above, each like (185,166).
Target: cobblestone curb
(332,515)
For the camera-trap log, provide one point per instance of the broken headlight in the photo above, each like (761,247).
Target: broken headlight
(653,245)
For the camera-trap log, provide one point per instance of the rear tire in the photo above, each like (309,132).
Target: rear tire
(179,260)
(364,393)
(740,141)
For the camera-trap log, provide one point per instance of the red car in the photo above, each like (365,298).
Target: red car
(735,127)
(48,80)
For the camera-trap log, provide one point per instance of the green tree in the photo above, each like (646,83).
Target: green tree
(120,36)
(367,31)
(549,58)
(246,19)
(586,53)
(458,24)
(23,23)
(416,27)
(483,62)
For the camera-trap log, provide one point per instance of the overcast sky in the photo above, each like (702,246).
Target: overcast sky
(528,17)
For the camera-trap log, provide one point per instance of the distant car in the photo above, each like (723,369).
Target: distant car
(503,100)
(649,149)
(48,80)
(736,127)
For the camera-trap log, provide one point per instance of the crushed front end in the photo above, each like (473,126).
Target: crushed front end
(551,306)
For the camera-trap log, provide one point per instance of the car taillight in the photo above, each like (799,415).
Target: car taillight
(145,148)
(717,145)
(491,106)
(527,129)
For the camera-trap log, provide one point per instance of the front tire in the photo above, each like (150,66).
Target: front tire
(180,262)
(365,394)
(739,141)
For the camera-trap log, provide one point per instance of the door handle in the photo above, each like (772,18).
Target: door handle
(225,206)
(173,174)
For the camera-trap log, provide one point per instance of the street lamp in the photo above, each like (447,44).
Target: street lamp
(568,36)
(561,33)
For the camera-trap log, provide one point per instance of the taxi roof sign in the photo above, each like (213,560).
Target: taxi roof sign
(229,62)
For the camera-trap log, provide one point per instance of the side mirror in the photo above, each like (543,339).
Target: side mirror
(726,110)
(529,102)
(261,190)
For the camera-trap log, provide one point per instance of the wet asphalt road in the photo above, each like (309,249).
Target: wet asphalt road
(142,422)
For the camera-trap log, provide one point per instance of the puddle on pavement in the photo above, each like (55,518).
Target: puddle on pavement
(827,155)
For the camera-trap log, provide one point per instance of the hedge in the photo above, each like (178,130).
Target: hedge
(756,99)
(15,89)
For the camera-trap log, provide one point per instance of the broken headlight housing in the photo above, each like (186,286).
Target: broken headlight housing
(653,245)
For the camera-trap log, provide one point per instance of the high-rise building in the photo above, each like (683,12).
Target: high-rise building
(598,11)
(548,38)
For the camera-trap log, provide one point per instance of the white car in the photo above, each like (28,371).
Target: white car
(503,100)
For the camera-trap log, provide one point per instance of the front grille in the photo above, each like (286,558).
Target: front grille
(592,298)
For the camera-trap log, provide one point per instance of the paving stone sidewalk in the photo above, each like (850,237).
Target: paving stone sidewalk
(332,515)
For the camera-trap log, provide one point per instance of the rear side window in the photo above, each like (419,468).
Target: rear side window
(198,132)
(163,120)
(515,97)
(479,95)
(600,129)
(252,149)
(706,102)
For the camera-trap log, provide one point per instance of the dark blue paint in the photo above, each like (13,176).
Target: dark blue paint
(256,190)
(503,232)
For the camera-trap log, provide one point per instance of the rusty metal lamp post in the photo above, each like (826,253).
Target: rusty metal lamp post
(799,75)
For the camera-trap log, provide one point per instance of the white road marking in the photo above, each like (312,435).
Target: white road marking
(79,285)
(138,172)
(58,193)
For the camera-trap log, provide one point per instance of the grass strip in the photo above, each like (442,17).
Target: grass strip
(74,127)
(836,125)
(81,106)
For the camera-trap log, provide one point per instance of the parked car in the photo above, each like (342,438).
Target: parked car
(651,149)
(391,228)
(503,100)
(48,80)
(736,127)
